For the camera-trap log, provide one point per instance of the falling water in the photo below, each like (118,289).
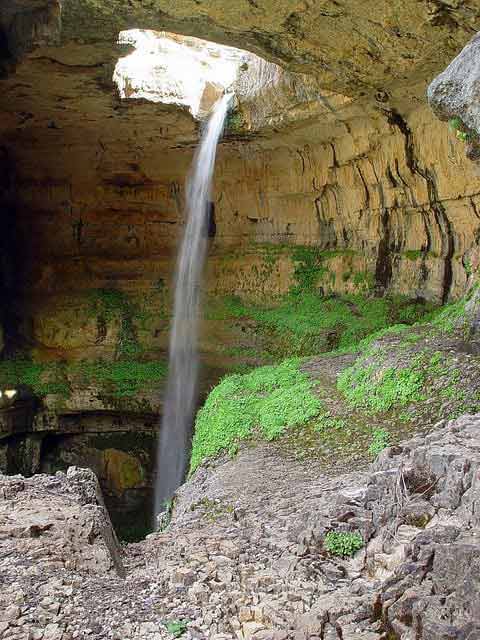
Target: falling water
(181,395)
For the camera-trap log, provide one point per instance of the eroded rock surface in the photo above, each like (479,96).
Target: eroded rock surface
(244,556)
(454,94)
(336,151)
(58,522)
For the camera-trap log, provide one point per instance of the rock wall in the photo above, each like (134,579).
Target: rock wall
(390,200)
(337,152)
(315,157)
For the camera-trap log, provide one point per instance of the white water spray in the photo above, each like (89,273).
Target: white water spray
(181,395)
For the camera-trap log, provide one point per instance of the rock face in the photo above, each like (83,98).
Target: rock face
(344,45)
(337,152)
(58,521)
(245,555)
(454,94)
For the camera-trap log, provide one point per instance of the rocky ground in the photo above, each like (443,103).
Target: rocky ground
(244,555)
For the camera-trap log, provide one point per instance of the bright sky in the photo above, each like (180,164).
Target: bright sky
(174,69)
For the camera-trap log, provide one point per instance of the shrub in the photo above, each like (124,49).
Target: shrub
(343,544)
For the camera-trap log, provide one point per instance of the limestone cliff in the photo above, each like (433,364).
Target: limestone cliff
(330,145)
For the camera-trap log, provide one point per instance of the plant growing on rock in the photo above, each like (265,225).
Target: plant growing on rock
(456,124)
(343,544)
(380,441)
(366,386)
(267,400)
(234,123)
(176,627)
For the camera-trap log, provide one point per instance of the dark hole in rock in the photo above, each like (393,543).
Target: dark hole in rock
(123,461)
(212,225)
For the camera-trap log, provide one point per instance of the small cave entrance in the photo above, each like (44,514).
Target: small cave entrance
(124,465)
(122,459)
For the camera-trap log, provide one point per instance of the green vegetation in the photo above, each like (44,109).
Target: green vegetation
(447,318)
(307,320)
(308,324)
(43,379)
(461,131)
(343,544)
(120,379)
(111,304)
(176,627)
(265,402)
(326,423)
(413,254)
(367,386)
(213,509)
(309,270)
(380,441)
(234,122)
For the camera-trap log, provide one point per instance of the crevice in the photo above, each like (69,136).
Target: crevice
(365,186)
(334,154)
(383,266)
(448,246)
(390,178)
(302,159)
(84,67)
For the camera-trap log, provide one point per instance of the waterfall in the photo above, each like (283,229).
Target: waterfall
(181,393)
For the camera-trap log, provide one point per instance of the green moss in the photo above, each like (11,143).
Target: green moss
(455,123)
(327,423)
(235,122)
(109,303)
(308,269)
(449,317)
(380,441)
(462,132)
(123,378)
(43,378)
(364,281)
(413,254)
(370,387)
(343,544)
(119,379)
(395,329)
(268,400)
(306,323)
(177,628)
(213,510)
(112,304)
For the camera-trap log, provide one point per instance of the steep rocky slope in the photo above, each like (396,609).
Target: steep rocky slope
(247,553)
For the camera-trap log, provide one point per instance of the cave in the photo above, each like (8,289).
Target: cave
(328,481)
(309,175)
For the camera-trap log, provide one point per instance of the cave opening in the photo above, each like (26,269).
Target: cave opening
(174,69)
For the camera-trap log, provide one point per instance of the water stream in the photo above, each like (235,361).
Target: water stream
(181,394)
